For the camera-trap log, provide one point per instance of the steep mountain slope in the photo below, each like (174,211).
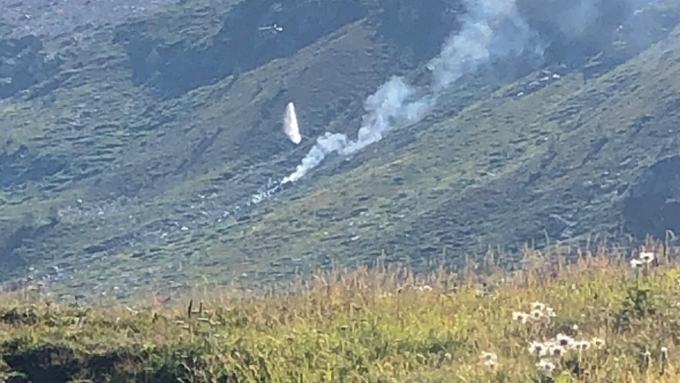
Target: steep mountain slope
(557,163)
(113,147)
(132,161)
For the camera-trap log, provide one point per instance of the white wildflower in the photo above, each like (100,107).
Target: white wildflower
(538,349)
(489,359)
(647,257)
(538,306)
(564,340)
(636,263)
(545,366)
(537,315)
(556,350)
(550,312)
(424,288)
(488,356)
(519,316)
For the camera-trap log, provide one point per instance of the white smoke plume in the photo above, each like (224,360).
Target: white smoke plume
(490,29)
(578,17)
(393,104)
(290,124)
(326,144)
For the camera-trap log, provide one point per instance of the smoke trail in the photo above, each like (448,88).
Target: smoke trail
(393,104)
(326,144)
(490,29)
(578,18)
(290,124)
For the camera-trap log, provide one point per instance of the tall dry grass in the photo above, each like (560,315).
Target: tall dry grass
(566,315)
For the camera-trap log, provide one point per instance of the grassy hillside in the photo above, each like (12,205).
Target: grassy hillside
(122,164)
(551,165)
(96,153)
(617,323)
(518,166)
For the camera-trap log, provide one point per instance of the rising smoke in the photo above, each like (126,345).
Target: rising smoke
(394,103)
(483,35)
(490,30)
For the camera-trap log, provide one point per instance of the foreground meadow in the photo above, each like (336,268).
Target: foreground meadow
(613,316)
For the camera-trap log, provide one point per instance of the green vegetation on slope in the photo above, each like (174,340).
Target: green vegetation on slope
(551,165)
(135,160)
(618,324)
